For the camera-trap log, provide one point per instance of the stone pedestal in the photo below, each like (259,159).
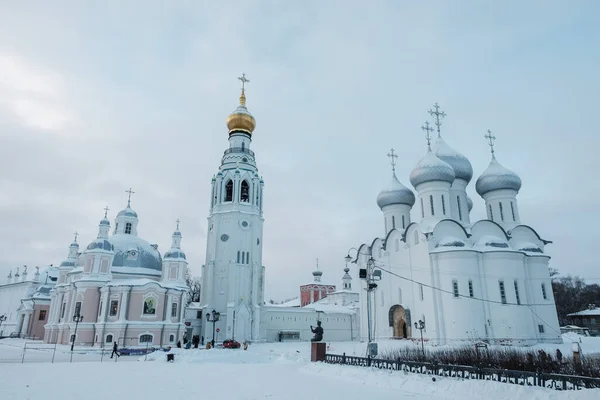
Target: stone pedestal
(317,351)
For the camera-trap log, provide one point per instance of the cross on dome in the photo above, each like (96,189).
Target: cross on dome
(178,221)
(129,198)
(243,95)
(106,211)
(428,131)
(392,156)
(491,139)
(76,234)
(438,116)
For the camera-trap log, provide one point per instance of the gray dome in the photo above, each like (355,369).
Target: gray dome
(175,254)
(395,193)
(469,203)
(68,263)
(102,244)
(461,165)
(127,212)
(134,252)
(104,221)
(431,169)
(497,177)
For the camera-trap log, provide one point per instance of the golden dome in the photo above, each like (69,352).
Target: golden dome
(241,119)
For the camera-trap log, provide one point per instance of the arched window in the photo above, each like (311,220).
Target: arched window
(459,209)
(238,257)
(171,338)
(243,146)
(247,257)
(146,338)
(128,228)
(243,257)
(393,222)
(245,192)
(512,209)
(501,212)
(443,205)
(228,191)
(431,205)
(422,209)
(455,288)
(109,338)
(403,225)
(490,212)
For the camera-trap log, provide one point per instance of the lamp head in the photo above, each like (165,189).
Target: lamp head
(348,258)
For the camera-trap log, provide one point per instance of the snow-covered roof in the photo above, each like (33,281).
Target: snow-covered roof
(143,282)
(592,312)
(330,308)
(290,303)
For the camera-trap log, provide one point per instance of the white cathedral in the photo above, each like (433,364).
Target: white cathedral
(456,279)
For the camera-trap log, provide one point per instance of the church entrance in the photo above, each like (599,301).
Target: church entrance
(399,319)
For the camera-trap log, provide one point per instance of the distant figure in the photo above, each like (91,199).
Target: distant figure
(196,341)
(202,340)
(559,356)
(179,344)
(208,346)
(318,331)
(245,345)
(115,351)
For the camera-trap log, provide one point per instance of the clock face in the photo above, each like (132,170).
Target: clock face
(244,159)
(245,224)
(224,237)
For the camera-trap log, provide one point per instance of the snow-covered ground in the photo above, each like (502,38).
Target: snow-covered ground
(264,371)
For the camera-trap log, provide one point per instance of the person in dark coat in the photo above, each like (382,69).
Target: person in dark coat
(559,356)
(115,351)
(179,344)
(318,331)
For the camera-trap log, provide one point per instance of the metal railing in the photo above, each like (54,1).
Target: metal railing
(238,150)
(526,378)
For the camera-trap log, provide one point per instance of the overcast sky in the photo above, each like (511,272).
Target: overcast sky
(100,96)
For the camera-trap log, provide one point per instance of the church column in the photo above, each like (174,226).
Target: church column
(124,298)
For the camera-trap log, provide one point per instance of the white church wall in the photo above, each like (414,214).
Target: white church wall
(544,306)
(10,299)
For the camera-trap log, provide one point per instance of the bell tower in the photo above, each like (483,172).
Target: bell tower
(233,275)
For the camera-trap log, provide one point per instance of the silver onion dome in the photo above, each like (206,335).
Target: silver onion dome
(133,252)
(395,193)
(469,203)
(431,169)
(497,177)
(127,212)
(461,165)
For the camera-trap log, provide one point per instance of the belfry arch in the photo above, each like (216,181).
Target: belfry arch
(399,319)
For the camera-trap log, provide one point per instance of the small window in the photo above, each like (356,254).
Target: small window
(228,191)
(517,293)
(490,212)
(171,338)
(501,212)
(459,208)
(512,210)
(471,291)
(502,292)
(443,205)
(128,228)
(455,288)
(247,257)
(245,192)
(541,328)
(431,205)
(238,257)
(42,316)
(77,312)
(109,338)
(243,257)
(403,223)
(199,314)
(100,309)
(421,292)
(393,222)
(174,310)
(422,209)
(146,338)
(150,306)
(114,306)
(544,294)
(62,311)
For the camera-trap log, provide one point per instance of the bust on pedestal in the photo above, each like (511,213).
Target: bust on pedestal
(318,348)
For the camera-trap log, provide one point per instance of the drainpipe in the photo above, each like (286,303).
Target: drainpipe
(127,313)
(162,330)
(94,334)
(105,318)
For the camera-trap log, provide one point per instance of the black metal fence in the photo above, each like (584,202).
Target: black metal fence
(525,378)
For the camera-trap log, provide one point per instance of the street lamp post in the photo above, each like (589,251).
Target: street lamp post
(77,319)
(213,317)
(2,319)
(369,274)
(420,326)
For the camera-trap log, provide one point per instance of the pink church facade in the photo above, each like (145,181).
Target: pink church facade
(119,289)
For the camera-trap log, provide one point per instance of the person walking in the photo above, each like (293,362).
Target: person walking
(115,351)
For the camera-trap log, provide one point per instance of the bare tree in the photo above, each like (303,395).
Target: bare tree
(193,284)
